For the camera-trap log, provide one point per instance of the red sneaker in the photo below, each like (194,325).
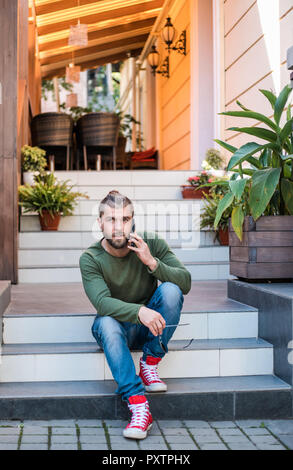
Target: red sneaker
(141,420)
(149,375)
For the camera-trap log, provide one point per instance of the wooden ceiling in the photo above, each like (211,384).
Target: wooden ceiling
(117,29)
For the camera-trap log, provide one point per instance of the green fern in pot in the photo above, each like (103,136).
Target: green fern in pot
(49,198)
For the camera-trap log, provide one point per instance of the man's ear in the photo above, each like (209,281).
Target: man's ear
(99,222)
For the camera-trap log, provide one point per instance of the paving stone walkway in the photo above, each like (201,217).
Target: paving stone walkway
(165,435)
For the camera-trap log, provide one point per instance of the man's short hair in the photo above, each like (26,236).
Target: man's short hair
(115,199)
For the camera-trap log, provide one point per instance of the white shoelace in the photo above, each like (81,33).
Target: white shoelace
(151,372)
(140,414)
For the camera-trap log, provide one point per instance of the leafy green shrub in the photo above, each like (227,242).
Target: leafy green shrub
(49,194)
(214,160)
(33,158)
(268,187)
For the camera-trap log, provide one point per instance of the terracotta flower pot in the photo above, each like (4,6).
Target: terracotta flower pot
(224,236)
(190,192)
(48,222)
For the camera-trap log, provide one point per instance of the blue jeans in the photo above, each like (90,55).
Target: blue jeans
(116,338)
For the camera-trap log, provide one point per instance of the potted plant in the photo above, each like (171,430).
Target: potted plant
(33,162)
(209,211)
(49,198)
(214,160)
(261,224)
(197,186)
(76,111)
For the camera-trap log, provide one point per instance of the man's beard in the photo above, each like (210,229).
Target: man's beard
(117,243)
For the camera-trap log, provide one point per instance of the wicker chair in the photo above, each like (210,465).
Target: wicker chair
(52,130)
(122,158)
(99,131)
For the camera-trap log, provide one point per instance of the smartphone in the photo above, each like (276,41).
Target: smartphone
(132,230)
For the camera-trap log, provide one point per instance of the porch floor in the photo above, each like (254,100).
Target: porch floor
(70,298)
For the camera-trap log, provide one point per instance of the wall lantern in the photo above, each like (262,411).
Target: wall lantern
(154,60)
(168,35)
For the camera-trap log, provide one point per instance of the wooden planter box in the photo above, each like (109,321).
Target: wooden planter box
(266,250)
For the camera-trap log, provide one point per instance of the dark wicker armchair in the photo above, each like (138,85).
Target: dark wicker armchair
(52,130)
(98,130)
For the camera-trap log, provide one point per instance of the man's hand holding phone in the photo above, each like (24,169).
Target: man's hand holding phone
(152,319)
(142,250)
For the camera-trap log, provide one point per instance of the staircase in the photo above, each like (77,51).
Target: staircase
(158,205)
(217,367)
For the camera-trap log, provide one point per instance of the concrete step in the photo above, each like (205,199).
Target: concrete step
(82,223)
(200,271)
(82,240)
(128,178)
(76,328)
(90,207)
(208,398)
(63,258)
(5,299)
(134,184)
(86,361)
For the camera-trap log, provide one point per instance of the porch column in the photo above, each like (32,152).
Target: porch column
(134,113)
(202,80)
(13,126)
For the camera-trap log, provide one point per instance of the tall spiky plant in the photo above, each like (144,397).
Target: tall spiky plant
(266,188)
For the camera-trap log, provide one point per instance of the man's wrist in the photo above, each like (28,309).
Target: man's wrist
(153,264)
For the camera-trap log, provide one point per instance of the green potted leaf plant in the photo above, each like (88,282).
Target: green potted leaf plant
(33,162)
(49,198)
(261,192)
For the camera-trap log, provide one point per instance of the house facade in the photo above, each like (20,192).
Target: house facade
(233,48)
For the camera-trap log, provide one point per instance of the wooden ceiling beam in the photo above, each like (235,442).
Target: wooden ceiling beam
(60,72)
(97,44)
(85,51)
(51,6)
(95,18)
(101,33)
(123,20)
(98,55)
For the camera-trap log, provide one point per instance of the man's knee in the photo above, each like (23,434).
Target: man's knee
(106,327)
(172,293)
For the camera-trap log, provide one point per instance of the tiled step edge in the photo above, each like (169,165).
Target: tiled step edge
(211,398)
(77,348)
(61,328)
(60,266)
(85,361)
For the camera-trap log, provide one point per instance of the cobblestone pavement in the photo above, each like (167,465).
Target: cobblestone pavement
(165,435)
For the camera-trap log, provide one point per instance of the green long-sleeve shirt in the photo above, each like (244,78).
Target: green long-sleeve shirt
(119,287)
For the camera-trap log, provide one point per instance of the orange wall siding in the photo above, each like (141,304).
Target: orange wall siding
(174,100)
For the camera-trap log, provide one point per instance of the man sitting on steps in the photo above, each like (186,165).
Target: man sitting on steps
(121,281)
